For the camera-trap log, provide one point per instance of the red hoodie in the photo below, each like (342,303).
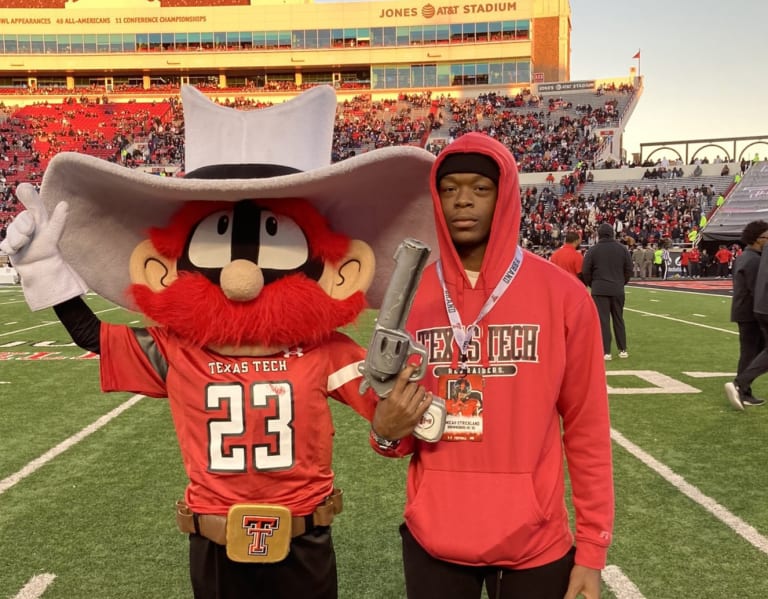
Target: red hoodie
(500,501)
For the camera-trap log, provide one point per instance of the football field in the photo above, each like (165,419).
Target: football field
(88,480)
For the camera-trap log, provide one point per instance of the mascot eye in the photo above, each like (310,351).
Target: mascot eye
(283,243)
(211,243)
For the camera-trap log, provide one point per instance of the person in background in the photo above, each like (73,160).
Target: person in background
(567,256)
(648,252)
(753,326)
(685,260)
(694,262)
(606,270)
(723,258)
(544,407)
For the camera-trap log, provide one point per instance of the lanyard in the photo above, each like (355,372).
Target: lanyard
(464,335)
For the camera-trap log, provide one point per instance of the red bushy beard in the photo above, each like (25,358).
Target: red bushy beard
(290,312)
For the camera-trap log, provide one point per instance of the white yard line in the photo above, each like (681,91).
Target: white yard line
(621,586)
(37,463)
(36,586)
(48,323)
(736,524)
(694,324)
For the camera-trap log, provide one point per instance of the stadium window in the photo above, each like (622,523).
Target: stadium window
(297,39)
(377,37)
(522,30)
(23,43)
(457,74)
(456,34)
(167,42)
(481,73)
(246,40)
(206,40)
(443,75)
(430,34)
(443,34)
(509,73)
(142,42)
(404,77)
(129,43)
(76,44)
(390,77)
(180,41)
(193,41)
(219,40)
(494,30)
(481,32)
(403,36)
(364,37)
(430,75)
(36,43)
(350,38)
(416,35)
(11,45)
(310,37)
(233,40)
(271,39)
(523,71)
(495,73)
(102,43)
(417,75)
(49,43)
(155,42)
(259,39)
(508,30)
(390,36)
(468,32)
(283,39)
(324,38)
(89,43)
(337,38)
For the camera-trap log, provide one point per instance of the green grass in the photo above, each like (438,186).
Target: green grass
(100,515)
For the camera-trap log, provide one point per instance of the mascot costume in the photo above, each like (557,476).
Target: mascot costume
(244,268)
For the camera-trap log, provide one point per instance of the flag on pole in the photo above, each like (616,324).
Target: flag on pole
(637,55)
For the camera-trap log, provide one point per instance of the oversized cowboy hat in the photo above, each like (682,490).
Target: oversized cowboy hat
(380,197)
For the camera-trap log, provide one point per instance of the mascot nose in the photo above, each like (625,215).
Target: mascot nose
(241,280)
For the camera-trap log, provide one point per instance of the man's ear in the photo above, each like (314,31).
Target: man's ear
(148,267)
(353,273)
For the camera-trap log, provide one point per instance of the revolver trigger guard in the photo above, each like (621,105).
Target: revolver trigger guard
(416,349)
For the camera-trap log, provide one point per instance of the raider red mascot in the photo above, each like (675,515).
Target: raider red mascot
(245,267)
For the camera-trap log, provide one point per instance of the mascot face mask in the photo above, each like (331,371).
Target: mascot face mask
(264,245)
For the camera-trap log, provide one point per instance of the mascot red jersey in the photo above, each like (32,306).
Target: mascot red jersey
(245,268)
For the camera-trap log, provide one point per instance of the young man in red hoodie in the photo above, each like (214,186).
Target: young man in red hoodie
(527,336)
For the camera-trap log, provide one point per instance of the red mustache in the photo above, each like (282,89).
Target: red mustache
(291,311)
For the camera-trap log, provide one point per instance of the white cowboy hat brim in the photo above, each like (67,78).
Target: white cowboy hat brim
(380,197)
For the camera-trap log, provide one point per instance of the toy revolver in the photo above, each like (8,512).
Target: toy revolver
(391,345)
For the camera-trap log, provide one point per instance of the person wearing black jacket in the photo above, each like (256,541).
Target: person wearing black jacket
(607,268)
(746,308)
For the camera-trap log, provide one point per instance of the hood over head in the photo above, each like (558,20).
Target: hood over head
(605,231)
(470,152)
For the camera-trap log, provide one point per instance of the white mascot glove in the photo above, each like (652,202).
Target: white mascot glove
(31,242)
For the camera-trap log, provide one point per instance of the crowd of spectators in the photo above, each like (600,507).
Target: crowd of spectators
(544,136)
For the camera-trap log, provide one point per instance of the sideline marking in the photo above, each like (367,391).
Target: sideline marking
(661,383)
(709,375)
(695,324)
(37,463)
(736,524)
(36,586)
(620,585)
(48,323)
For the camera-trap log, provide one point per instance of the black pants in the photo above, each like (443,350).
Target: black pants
(308,572)
(758,365)
(610,308)
(429,578)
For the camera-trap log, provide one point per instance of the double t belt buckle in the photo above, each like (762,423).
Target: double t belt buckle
(258,533)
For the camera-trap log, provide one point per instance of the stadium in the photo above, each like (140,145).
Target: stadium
(88,480)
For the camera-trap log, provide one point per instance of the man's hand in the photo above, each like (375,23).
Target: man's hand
(398,414)
(31,242)
(584,582)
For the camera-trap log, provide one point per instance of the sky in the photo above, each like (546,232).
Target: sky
(704,63)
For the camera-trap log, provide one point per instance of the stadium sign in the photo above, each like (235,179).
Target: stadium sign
(430,10)
(565,86)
